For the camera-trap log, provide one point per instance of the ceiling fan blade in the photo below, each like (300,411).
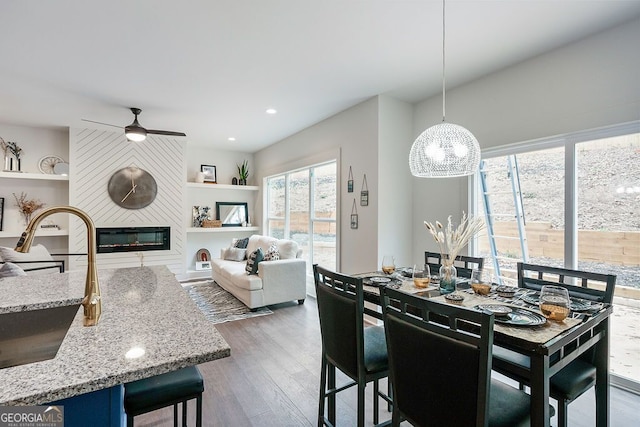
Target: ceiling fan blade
(101,123)
(165,132)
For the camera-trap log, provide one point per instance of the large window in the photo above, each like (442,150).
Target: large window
(301,206)
(580,202)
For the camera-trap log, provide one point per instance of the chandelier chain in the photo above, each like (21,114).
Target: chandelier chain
(443,63)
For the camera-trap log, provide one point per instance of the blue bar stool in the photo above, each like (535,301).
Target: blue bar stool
(162,390)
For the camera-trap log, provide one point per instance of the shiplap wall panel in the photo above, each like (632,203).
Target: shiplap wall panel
(94,156)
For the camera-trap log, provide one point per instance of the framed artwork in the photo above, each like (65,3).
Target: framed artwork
(203,260)
(354,216)
(203,265)
(364,194)
(350,181)
(1,211)
(200,213)
(209,172)
(203,255)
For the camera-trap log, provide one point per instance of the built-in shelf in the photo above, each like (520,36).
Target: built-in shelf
(223,186)
(39,233)
(219,229)
(26,175)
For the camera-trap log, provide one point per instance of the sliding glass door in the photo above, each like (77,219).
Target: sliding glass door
(580,201)
(302,206)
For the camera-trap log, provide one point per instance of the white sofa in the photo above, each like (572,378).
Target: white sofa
(277,281)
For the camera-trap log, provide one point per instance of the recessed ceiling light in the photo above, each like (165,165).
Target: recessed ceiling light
(231,138)
(271,111)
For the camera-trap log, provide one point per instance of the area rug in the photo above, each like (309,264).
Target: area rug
(218,305)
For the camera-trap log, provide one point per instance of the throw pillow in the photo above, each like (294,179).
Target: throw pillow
(241,243)
(11,270)
(235,254)
(37,253)
(287,248)
(253,260)
(272,254)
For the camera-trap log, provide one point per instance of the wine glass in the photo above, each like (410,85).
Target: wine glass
(555,303)
(481,281)
(421,277)
(388,264)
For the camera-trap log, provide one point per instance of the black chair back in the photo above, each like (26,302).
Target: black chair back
(464,264)
(439,362)
(581,284)
(359,352)
(340,306)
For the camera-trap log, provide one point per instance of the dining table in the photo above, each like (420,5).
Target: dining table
(544,346)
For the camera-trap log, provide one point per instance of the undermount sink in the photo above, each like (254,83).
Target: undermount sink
(33,336)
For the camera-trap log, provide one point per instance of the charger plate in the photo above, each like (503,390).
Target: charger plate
(380,281)
(577,305)
(518,316)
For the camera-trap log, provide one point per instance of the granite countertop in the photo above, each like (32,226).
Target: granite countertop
(142,307)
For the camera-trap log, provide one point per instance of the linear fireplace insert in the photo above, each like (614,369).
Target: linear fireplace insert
(133,239)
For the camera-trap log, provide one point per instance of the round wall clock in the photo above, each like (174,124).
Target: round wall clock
(132,188)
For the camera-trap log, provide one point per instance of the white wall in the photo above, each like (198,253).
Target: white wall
(395,214)
(225,162)
(588,84)
(353,133)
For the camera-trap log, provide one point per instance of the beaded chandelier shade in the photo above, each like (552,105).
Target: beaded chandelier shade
(446,149)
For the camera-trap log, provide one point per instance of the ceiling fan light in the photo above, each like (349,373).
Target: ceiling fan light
(444,150)
(135,133)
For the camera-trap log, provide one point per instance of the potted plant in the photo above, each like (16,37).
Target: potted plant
(243,172)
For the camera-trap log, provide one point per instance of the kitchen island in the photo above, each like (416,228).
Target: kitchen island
(149,326)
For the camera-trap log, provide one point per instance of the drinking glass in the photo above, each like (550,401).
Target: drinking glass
(421,276)
(388,264)
(481,281)
(555,303)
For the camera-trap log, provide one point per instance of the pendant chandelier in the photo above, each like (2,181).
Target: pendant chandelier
(444,150)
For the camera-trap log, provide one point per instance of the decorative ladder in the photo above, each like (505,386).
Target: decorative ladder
(514,178)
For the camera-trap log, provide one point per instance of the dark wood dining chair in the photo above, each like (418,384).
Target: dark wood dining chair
(440,366)
(580,375)
(464,264)
(359,352)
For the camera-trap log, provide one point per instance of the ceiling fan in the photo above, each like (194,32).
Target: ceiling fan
(136,133)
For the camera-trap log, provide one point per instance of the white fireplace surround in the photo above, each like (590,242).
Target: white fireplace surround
(94,156)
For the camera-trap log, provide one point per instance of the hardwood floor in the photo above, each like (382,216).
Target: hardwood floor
(272,379)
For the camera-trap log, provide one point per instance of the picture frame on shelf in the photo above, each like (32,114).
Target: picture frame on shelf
(200,214)
(209,173)
(203,265)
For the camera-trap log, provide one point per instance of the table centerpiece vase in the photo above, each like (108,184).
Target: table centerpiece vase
(448,277)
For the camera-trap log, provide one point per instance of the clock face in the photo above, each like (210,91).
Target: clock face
(132,188)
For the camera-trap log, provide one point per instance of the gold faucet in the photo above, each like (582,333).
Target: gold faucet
(91,301)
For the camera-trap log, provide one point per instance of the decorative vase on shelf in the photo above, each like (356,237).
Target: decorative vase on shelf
(243,181)
(448,275)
